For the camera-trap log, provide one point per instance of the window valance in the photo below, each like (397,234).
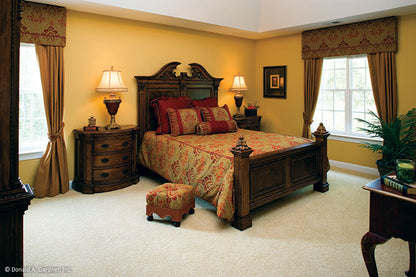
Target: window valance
(43,24)
(351,39)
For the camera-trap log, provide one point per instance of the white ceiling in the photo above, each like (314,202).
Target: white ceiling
(252,19)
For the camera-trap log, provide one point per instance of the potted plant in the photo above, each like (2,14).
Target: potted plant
(399,139)
(250,110)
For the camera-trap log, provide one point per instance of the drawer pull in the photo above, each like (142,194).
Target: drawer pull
(126,143)
(104,175)
(105,160)
(125,158)
(104,145)
(125,171)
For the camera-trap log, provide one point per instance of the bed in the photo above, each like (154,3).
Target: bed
(246,177)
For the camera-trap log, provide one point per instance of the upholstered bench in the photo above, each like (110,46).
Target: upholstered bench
(169,199)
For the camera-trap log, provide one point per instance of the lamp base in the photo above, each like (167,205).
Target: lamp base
(112,124)
(112,105)
(238,98)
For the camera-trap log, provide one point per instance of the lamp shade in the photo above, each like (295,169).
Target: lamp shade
(239,83)
(111,81)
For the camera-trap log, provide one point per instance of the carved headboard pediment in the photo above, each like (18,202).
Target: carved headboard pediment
(169,70)
(166,72)
(196,84)
(198,72)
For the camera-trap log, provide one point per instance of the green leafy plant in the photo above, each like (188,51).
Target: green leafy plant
(399,137)
(251,106)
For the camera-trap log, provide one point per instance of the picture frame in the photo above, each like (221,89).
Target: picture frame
(274,81)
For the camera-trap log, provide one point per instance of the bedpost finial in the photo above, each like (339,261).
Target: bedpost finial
(321,131)
(241,145)
(321,128)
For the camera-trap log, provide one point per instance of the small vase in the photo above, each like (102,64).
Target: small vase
(405,170)
(250,112)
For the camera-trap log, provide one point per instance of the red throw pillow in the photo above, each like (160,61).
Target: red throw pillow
(206,102)
(183,121)
(214,127)
(160,106)
(216,113)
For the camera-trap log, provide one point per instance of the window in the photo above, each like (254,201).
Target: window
(345,94)
(33,129)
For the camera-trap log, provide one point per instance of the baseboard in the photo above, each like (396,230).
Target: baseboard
(354,167)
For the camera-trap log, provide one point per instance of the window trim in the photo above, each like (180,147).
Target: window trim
(355,139)
(32,155)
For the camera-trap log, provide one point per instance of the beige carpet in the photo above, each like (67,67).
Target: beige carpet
(304,234)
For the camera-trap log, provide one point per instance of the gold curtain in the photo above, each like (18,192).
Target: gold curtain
(382,68)
(376,38)
(52,175)
(45,26)
(312,79)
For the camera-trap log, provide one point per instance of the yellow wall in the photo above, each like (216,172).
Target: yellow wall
(406,58)
(27,171)
(95,43)
(285,115)
(282,116)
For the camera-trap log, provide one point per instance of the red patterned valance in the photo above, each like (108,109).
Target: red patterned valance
(351,39)
(43,24)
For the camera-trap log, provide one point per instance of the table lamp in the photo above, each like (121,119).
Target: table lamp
(239,85)
(111,82)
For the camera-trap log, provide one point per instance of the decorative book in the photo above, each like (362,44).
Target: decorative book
(391,181)
(91,128)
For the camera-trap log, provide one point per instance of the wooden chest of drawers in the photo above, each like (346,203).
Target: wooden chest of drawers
(105,160)
(249,122)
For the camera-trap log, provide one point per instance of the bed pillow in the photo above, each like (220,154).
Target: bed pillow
(183,121)
(160,106)
(206,102)
(215,127)
(216,113)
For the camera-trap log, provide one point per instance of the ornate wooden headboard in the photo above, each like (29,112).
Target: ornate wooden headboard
(166,83)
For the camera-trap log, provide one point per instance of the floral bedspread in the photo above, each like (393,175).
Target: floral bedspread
(206,162)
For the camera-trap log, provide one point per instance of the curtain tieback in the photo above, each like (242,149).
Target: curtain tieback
(306,120)
(55,136)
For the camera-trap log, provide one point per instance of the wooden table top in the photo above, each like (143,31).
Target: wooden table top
(376,187)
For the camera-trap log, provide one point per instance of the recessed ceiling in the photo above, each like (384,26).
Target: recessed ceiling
(252,19)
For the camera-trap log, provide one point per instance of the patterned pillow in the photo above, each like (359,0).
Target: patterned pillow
(183,121)
(160,106)
(216,113)
(206,102)
(215,127)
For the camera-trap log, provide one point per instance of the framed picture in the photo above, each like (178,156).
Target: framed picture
(274,81)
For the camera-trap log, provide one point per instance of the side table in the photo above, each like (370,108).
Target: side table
(105,160)
(249,122)
(392,214)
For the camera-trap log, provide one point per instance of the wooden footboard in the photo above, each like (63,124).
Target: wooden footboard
(263,178)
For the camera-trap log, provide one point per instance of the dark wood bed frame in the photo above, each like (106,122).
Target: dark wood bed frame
(258,179)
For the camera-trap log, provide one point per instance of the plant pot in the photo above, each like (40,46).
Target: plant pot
(250,112)
(384,169)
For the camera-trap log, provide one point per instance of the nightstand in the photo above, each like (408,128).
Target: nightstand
(105,160)
(249,122)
